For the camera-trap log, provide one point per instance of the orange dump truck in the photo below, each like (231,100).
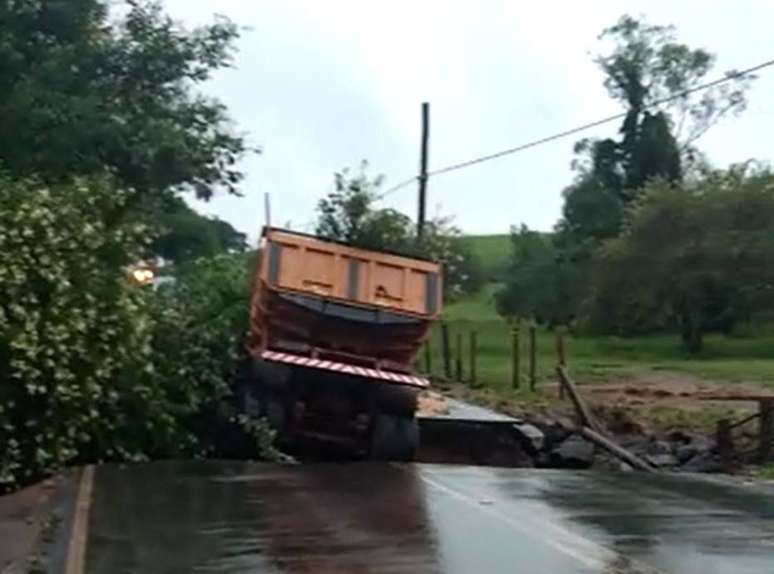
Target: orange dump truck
(334,331)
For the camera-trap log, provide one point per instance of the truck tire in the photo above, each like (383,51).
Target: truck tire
(397,400)
(262,403)
(394,438)
(273,409)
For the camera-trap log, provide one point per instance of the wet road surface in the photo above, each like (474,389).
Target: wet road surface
(219,517)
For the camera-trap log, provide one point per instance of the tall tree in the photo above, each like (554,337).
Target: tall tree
(541,281)
(348,214)
(83,90)
(695,257)
(649,72)
(184,234)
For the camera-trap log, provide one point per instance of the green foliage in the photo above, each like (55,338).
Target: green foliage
(643,66)
(725,359)
(70,326)
(697,257)
(541,283)
(91,367)
(348,214)
(647,65)
(493,253)
(199,337)
(82,90)
(186,235)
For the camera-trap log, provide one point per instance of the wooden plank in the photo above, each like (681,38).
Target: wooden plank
(617,450)
(584,413)
(560,353)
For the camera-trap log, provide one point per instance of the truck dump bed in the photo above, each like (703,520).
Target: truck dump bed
(332,302)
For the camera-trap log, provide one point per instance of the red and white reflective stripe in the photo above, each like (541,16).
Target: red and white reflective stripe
(344,368)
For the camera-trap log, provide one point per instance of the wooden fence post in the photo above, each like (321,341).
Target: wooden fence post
(516,358)
(458,362)
(581,408)
(532,357)
(766,430)
(428,358)
(725,444)
(473,351)
(445,351)
(560,353)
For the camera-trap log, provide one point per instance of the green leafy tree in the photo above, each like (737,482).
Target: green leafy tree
(697,257)
(645,67)
(348,214)
(83,90)
(93,367)
(540,283)
(185,234)
(73,346)
(199,341)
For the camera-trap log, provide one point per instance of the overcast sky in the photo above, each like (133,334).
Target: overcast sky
(321,85)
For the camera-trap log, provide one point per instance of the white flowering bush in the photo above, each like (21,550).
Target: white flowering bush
(92,367)
(71,327)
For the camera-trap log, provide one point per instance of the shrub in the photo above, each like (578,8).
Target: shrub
(71,327)
(93,368)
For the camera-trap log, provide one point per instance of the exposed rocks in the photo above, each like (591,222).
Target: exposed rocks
(703,462)
(665,460)
(677,451)
(553,445)
(574,452)
(531,437)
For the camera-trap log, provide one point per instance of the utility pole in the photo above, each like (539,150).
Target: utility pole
(423,169)
(267,209)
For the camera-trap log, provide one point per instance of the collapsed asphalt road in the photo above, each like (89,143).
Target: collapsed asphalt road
(240,517)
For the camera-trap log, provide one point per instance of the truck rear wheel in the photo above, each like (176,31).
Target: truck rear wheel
(273,409)
(259,402)
(394,437)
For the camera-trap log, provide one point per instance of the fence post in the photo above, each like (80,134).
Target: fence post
(560,353)
(458,354)
(445,351)
(766,430)
(473,351)
(725,444)
(532,357)
(515,357)
(428,358)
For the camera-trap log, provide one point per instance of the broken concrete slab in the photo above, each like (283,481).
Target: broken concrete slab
(531,437)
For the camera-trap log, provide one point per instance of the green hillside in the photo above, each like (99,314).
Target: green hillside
(493,251)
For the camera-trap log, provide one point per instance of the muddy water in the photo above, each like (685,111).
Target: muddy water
(374,518)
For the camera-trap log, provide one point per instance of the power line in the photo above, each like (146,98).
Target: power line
(728,77)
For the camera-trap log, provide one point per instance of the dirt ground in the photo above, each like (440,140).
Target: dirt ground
(432,403)
(647,403)
(22,515)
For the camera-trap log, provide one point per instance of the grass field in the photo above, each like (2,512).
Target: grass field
(596,359)
(493,251)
